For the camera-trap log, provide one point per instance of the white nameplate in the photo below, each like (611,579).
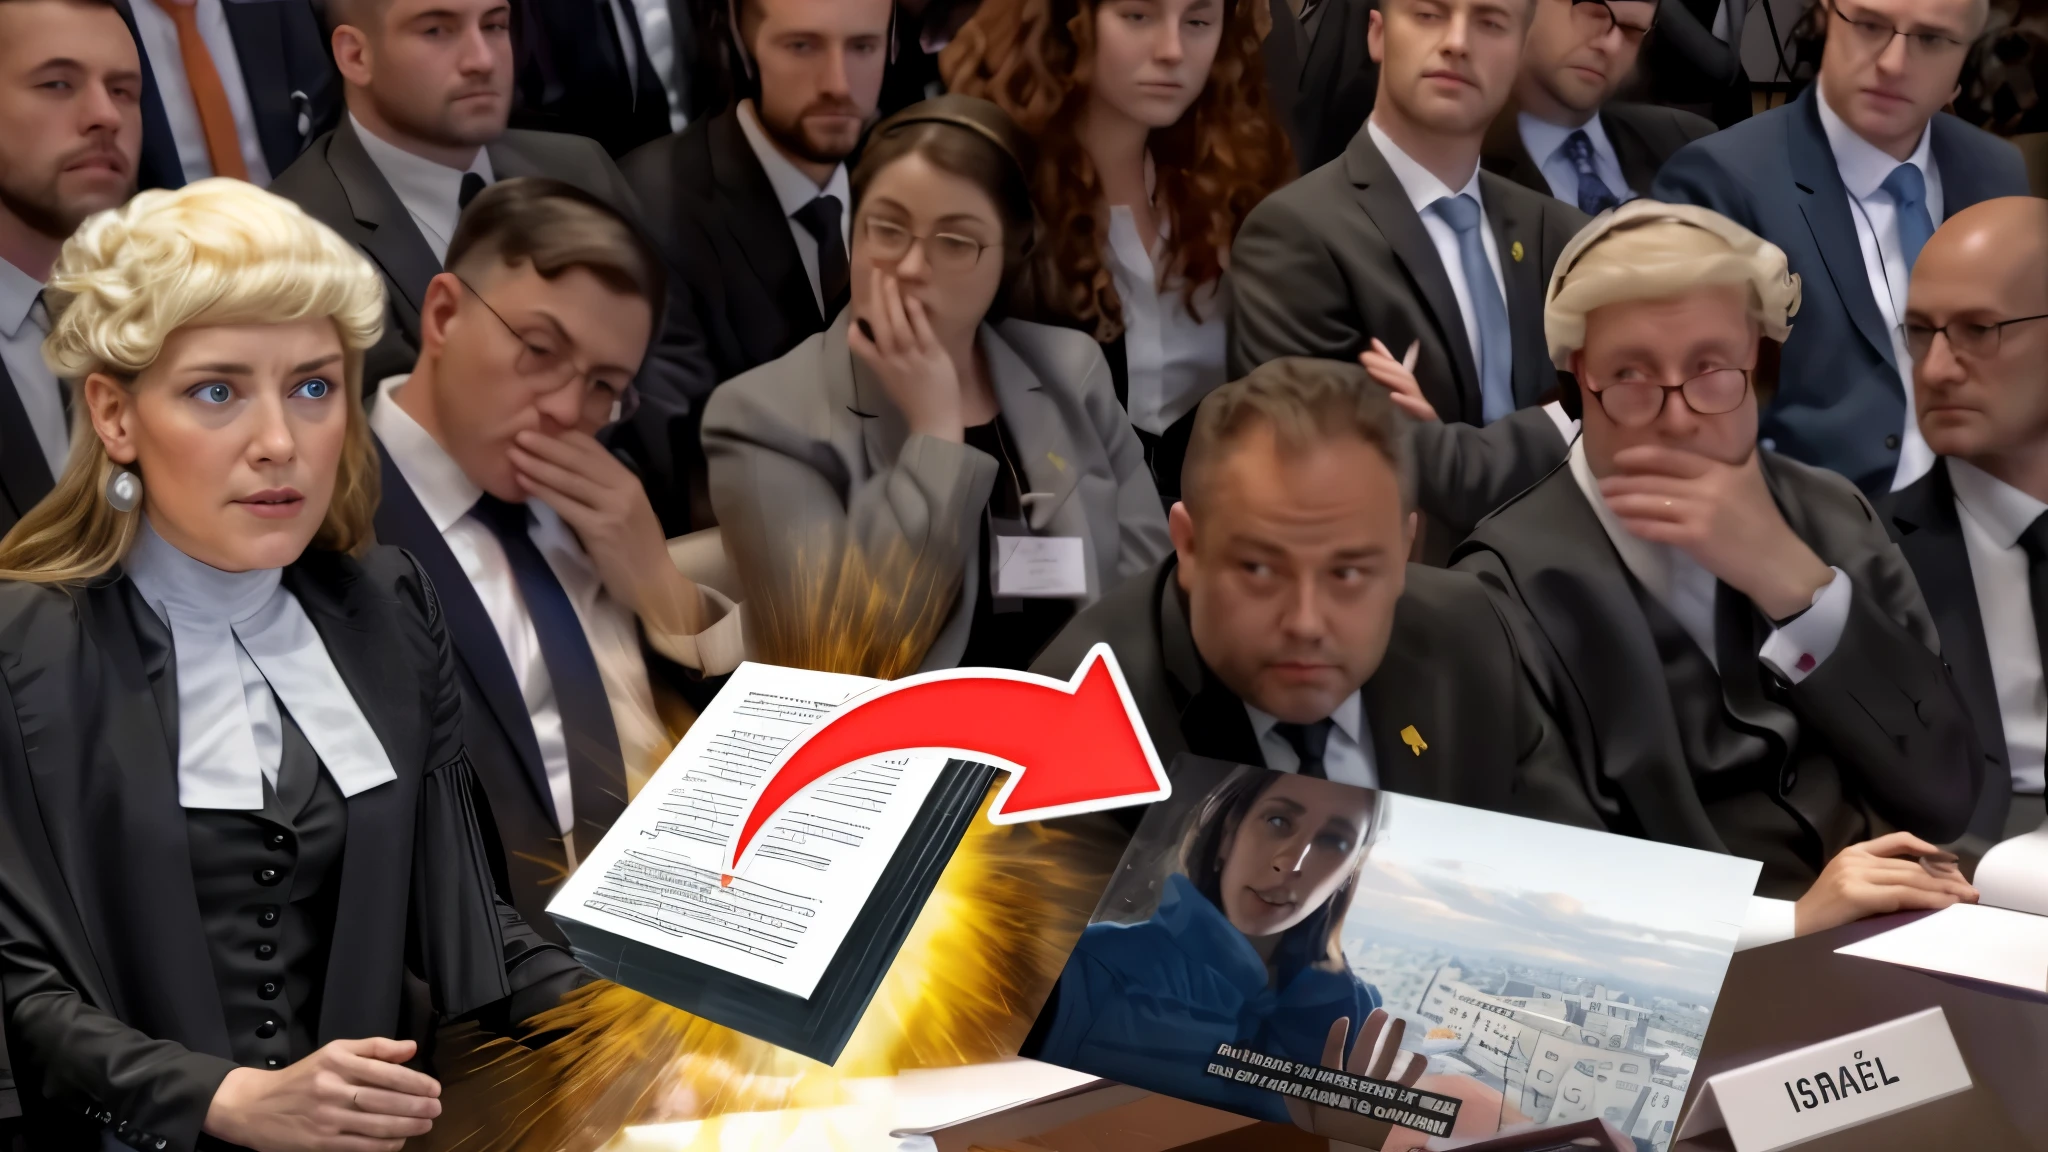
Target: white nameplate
(1040,566)
(1833,1085)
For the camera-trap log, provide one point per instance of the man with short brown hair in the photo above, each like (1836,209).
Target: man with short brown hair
(1288,628)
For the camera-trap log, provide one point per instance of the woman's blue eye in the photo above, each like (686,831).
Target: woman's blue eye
(313,389)
(214,393)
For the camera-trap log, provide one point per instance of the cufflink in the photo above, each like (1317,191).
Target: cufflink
(1805,662)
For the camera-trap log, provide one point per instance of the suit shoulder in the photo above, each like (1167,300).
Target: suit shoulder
(1068,356)
(307,175)
(773,393)
(1300,199)
(2002,170)
(1441,602)
(1660,120)
(554,150)
(653,164)
(1819,490)
(32,615)
(1125,618)
(380,572)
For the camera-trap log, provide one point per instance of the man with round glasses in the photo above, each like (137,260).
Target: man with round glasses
(1850,180)
(1563,133)
(1975,528)
(1736,652)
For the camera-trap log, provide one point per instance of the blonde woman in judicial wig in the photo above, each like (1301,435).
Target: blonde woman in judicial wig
(235,809)
(1723,626)
(924,427)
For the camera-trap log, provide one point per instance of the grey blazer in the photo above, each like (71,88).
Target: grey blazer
(808,457)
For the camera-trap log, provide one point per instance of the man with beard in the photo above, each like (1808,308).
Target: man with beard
(428,86)
(70,138)
(751,207)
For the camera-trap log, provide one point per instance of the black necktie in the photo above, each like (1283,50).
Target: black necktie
(472,184)
(821,219)
(1309,741)
(597,775)
(2035,542)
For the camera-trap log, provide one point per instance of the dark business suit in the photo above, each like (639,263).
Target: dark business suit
(1340,256)
(741,297)
(24,473)
(338,185)
(1447,675)
(1729,759)
(1840,402)
(1644,137)
(1922,519)
(571,74)
(294,91)
(116,1025)
(1320,76)
(1685,64)
(159,166)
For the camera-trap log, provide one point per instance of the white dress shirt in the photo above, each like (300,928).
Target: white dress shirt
(793,190)
(1687,590)
(23,324)
(1863,167)
(447,495)
(1993,514)
(1545,144)
(431,191)
(1347,758)
(1424,189)
(1174,359)
(160,45)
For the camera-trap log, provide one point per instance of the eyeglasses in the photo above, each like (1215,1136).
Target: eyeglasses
(1638,403)
(1980,341)
(1873,36)
(547,370)
(944,251)
(1597,18)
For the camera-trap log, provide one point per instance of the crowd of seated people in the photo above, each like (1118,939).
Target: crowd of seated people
(407,408)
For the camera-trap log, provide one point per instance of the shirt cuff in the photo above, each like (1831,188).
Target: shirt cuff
(1766,921)
(715,650)
(1566,426)
(1805,642)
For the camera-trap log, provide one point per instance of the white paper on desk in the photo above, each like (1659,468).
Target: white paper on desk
(655,876)
(1973,940)
(2014,874)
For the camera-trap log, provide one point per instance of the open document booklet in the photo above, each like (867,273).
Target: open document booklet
(792,950)
(1266,934)
(2002,939)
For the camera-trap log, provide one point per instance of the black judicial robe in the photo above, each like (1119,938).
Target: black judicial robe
(1736,760)
(118,1009)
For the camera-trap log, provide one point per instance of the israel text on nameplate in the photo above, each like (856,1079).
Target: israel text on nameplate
(1833,1085)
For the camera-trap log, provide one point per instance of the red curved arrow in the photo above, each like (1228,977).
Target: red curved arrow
(1069,746)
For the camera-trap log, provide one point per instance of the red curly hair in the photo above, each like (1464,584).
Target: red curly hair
(1033,58)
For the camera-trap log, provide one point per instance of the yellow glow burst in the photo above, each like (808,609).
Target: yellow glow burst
(979,960)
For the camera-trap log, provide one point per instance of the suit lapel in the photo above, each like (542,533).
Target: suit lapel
(1047,456)
(1963,177)
(393,240)
(1391,704)
(1384,200)
(752,215)
(1827,217)
(24,473)
(257,28)
(1212,719)
(403,522)
(1505,155)
(1518,233)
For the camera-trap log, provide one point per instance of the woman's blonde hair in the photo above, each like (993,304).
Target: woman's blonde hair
(214,252)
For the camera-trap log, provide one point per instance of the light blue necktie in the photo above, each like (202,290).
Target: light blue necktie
(1496,339)
(1908,189)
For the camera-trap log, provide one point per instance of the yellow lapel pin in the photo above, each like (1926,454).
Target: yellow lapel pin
(1058,461)
(1515,250)
(1409,735)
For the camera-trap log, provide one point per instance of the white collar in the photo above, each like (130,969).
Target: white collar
(1421,185)
(17,298)
(1350,711)
(1651,564)
(217,620)
(428,189)
(1863,165)
(2002,510)
(793,189)
(444,490)
(1544,139)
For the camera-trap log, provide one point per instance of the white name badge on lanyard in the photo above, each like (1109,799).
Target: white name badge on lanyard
(1044,567)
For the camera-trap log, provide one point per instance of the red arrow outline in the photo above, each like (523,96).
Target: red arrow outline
(746,838)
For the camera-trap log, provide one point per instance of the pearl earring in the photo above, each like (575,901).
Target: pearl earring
(124,490)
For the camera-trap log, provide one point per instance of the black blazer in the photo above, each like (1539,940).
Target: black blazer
(571,78)
(24,475)
(338,185)
(113,1014)
(1922,519)
(1447,673)
(1321,77)
(1873,739)
(1644,136)
(294,91)
(739,296)
(160,166)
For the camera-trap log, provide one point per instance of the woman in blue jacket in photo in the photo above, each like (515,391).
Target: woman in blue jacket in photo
(1243,949)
